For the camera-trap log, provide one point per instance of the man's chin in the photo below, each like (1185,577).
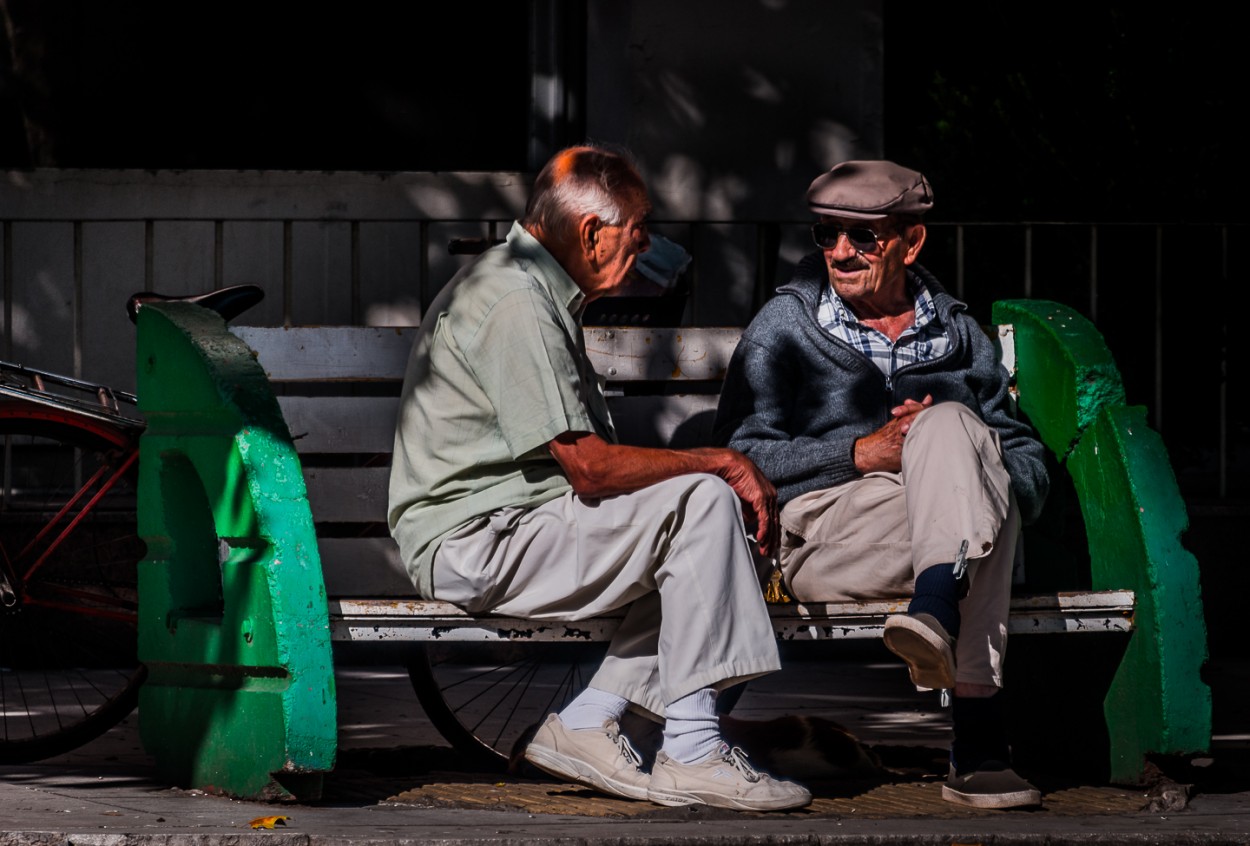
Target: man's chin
(852,280)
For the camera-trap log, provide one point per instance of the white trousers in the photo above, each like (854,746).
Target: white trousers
(869,538)
(675,553)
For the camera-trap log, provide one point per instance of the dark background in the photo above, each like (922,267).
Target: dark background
(1110,113)
(266,85)
(1059,112)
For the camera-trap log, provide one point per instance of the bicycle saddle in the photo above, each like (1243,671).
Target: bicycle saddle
(228,302)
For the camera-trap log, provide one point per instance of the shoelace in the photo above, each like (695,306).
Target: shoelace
(738,759)
(622,743)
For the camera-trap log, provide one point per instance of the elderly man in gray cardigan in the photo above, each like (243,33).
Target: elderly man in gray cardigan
(878,408)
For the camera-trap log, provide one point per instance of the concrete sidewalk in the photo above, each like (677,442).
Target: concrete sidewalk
(398,782)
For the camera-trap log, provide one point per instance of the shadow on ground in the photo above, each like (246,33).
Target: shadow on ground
(436,777)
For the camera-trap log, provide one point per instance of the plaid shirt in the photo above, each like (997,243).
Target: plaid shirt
(924,340)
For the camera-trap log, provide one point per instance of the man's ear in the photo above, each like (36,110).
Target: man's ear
(588,235)
(915,240)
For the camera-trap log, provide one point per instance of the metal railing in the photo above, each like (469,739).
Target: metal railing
(1161,294)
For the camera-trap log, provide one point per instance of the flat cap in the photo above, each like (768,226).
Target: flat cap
(869,190)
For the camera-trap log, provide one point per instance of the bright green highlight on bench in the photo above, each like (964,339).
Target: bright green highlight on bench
(234,626)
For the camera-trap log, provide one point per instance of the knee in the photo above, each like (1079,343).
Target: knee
(702,507)
(949,423)
(692,493)
(708,494)
(710,526)
(945,415)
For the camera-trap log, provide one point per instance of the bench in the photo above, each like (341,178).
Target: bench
(263,485)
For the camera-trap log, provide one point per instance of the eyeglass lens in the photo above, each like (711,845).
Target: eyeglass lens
(861,238)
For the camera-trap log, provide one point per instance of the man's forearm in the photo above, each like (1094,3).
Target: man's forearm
(596,468)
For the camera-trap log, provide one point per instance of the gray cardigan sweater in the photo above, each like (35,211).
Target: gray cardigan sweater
(796,399)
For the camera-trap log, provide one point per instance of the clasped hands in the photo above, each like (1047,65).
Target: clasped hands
(882,451)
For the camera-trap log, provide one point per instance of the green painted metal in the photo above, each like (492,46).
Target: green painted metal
(1134,517)
(1071,391)
(234,627)
(1077,375)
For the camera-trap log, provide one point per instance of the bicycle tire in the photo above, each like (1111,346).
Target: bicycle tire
(486,699)
(68,641)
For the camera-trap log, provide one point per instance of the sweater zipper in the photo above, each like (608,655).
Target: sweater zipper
(890,380)
(889,393)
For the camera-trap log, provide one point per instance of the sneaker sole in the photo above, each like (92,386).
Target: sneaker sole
(1014,799)
(674,800)
(930,661)
(571,769)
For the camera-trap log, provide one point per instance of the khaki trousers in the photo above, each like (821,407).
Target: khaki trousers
(869,538)
(675,553)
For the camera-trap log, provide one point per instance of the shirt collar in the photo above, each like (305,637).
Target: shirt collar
(551,275)
(926,308)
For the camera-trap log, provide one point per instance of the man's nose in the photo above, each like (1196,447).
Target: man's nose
(842,248)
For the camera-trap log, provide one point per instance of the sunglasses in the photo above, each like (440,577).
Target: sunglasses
(862,238)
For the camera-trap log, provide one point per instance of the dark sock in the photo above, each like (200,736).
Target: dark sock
(937,593)
(980,732)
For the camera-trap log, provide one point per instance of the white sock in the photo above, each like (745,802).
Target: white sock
(591,708)
(691,727)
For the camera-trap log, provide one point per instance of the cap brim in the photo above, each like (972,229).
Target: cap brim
(847,213)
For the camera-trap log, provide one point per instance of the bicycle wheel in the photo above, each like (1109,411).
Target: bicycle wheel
(68,581)
(487,699)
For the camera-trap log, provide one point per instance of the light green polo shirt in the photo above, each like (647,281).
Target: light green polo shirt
(497,371)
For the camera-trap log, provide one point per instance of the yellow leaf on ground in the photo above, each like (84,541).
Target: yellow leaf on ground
(268,822)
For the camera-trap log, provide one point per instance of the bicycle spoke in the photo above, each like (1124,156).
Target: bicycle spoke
(506,722)
(79,516)
(517,677)
(487,702)
(68,635)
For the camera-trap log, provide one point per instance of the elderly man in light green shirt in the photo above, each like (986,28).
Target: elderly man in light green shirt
(509,494)
(507,341)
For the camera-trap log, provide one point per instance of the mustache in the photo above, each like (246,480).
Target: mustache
(856,263)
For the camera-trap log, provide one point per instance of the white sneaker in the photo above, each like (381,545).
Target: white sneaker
(723,780)
(598,758)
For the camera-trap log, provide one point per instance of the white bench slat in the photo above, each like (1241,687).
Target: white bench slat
(661,354)
(347,494)
(363,353)
(329,353)
(363,567)
(620,353)
(341,424)
(345,425)
(420,620)
(677,421)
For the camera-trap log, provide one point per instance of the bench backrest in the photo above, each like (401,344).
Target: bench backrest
(338,388)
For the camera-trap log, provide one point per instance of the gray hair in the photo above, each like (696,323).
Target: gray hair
(579,181)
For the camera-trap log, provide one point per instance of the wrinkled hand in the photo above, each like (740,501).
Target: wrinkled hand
(910,408)
(882,451)
(759,497)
